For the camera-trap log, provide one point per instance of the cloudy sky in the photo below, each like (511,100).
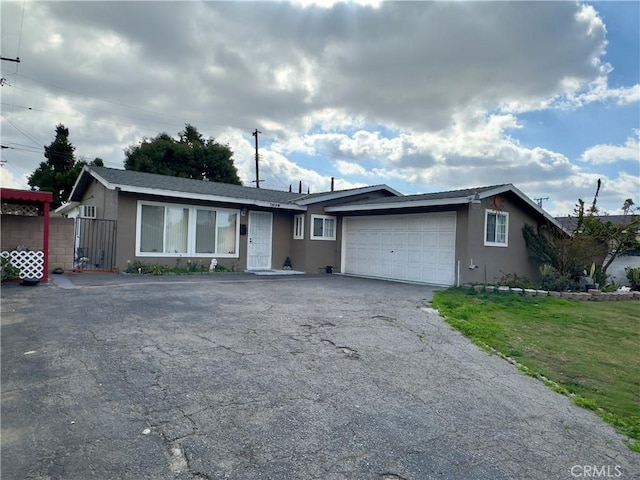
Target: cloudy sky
(421,96)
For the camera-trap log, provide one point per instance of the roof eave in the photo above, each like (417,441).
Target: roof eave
(533,205)
(347,193)
(399,205)
(204,197)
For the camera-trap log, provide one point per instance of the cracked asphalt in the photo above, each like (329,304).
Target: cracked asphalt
(291,377)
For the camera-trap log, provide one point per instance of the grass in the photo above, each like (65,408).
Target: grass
(589,350)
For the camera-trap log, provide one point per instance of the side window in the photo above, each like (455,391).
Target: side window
(298,227)
(496,228)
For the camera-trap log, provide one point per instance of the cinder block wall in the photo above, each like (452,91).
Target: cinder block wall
(61,232)
(18,230)
(28,231)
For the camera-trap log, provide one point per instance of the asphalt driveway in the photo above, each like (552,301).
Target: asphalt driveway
(296,377)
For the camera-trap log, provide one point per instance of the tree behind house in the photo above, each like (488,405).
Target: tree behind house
(190,156)
(595,240)
(59,173)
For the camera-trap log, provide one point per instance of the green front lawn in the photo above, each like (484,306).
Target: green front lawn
(590,349)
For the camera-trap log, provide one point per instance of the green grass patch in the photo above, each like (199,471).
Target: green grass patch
(589,350)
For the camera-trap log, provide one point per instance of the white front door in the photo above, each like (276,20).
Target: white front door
(259,248)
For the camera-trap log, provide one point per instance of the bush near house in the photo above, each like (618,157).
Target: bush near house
(586,350)
(143,268)
(9,272)
(633,275)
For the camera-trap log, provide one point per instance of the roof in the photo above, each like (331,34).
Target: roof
(570,223)
(338,194)
(26,196)
(452,197)
(187,188)
(418,200)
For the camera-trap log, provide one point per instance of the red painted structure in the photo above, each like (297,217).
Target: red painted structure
(42,200)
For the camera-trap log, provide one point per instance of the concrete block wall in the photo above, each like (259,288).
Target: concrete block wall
(17,230)
(28,231)
(61,233)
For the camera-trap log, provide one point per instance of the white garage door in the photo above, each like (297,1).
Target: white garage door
(415,247)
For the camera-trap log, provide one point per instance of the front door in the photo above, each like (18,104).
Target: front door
(259,248)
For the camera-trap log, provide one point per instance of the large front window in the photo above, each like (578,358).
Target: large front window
(170,230)
(496,228)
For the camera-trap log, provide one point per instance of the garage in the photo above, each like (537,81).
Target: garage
(411,247)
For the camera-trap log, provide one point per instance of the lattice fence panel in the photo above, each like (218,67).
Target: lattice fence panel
(31,264)
(23,210)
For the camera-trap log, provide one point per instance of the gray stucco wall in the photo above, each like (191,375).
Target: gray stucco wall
(282,235)
(492,262)
(105,201)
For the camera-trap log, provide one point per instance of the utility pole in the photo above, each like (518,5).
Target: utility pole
(539,200)
(255,134)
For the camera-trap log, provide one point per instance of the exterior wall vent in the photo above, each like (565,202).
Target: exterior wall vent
(88,211)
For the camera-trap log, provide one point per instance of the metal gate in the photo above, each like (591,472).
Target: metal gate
(95,244)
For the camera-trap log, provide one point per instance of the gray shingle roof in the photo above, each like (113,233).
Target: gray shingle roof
(468,192)
(187,185)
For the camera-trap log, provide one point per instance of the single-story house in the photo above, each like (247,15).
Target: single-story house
(447,238)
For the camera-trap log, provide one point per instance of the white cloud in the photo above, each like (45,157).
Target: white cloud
(425,93)
(7,179)
(604,154)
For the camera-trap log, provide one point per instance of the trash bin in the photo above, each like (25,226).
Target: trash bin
(328,269)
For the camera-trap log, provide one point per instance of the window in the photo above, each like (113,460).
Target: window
(166,230)
(205,231)
(323,227)
(298,227)
(496,228)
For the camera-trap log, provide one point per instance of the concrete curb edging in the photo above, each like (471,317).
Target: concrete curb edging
(591,295)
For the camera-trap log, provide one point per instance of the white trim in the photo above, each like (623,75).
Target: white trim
(487,243)
(298,227)
(191,231)
(312,235)
(399,205)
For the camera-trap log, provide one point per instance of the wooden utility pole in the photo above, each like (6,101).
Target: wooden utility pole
(540,200)
(255,134)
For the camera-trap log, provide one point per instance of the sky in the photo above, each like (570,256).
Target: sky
(420,96)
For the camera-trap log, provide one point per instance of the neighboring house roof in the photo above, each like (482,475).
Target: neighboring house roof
(453,197)
(570,223)
(168,186)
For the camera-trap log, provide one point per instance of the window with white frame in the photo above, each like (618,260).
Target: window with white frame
(298,227)
(323,227)
(496,228)
(166,230)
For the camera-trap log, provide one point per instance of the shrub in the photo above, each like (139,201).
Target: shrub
(514,281)
(633,275)
(9,272)
(552,280)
